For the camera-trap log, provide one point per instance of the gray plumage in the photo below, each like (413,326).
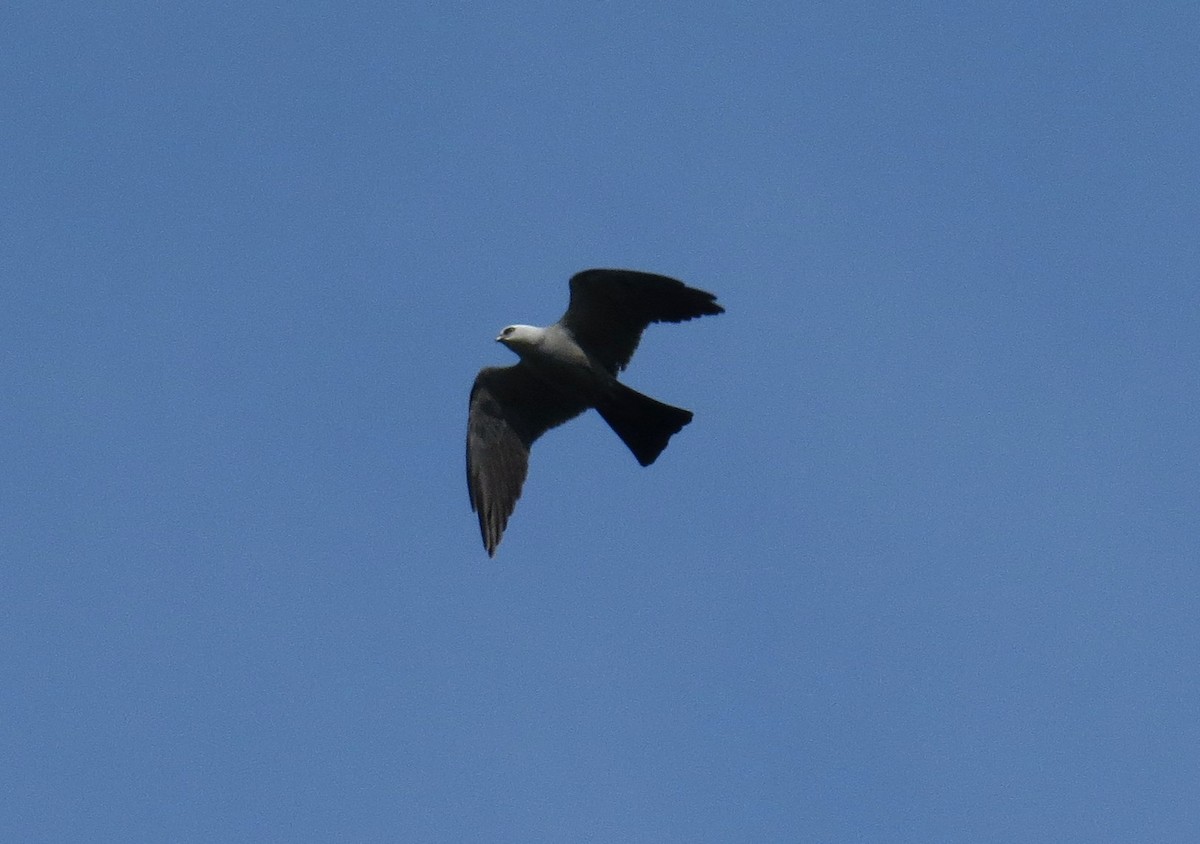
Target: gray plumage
(565,369)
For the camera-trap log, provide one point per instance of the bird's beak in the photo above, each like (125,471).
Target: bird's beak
(500,339)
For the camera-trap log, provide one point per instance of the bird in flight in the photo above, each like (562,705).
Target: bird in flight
(564,369)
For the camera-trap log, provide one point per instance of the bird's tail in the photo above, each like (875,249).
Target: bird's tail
(643,424)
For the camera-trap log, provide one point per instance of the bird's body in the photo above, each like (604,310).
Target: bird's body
(564,369)
(552,354)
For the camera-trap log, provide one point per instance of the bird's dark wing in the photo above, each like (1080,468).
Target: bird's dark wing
(609,309)
(510,408)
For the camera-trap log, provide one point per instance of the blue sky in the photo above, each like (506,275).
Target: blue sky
(923,568)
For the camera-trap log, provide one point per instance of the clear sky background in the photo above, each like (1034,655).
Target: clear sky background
(925,567)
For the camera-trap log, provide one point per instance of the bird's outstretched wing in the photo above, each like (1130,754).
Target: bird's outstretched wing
(609,309)
(510,408)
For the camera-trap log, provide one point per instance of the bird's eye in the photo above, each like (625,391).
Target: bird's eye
(506,331)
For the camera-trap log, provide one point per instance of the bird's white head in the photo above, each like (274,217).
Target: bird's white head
(520,337)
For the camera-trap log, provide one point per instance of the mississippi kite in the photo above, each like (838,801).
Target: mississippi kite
(564,369)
